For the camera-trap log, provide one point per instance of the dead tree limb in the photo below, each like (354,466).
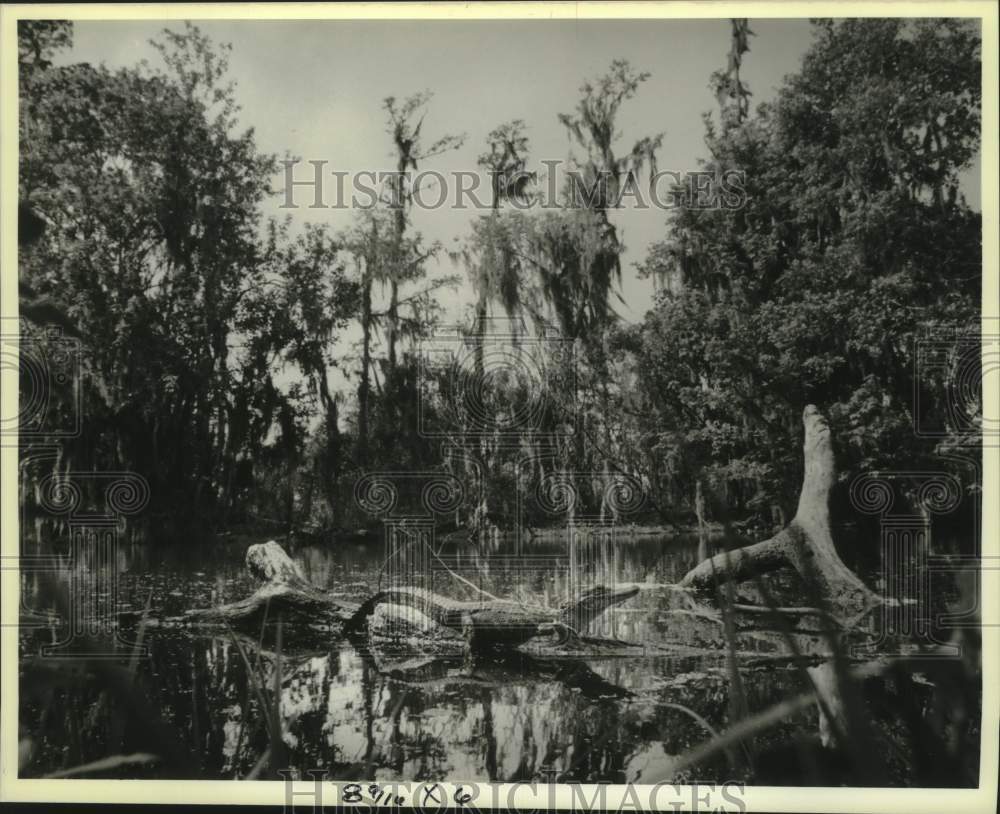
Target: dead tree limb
(806,544)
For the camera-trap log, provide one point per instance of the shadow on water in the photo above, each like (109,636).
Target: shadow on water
(519,717)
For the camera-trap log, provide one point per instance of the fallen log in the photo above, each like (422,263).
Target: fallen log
(806,544)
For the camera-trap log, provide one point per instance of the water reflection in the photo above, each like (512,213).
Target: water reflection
(399,716)
(516,719)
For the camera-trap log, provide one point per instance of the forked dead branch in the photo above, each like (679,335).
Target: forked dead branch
(806,544)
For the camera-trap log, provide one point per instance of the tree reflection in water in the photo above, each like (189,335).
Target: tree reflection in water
(402,717)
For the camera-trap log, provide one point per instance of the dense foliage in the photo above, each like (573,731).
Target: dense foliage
(853,244)
(191,308)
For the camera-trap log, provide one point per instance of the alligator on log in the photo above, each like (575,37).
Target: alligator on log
(288,595)
(500,622)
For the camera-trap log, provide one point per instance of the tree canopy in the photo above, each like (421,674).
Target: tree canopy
(853,243)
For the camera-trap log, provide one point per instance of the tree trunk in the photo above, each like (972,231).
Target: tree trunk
(364,387)
(481,315)
(401,204)
(392,322)
(806,543)
(699,510)
(330,459)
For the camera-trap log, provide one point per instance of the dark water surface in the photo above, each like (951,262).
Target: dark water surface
(353,714)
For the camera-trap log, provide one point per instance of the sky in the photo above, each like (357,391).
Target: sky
(314,89)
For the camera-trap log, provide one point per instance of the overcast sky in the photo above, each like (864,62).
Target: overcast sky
(315,90)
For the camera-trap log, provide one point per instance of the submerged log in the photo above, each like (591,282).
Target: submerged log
(806,544)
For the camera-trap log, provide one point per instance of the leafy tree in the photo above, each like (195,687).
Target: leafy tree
(318,300)
(410,152)
(727,84)
(848,239)
(492,266)
(366,242)
(154,249)
(852,243)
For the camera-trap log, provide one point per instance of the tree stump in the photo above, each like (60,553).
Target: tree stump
(285,594)
(270,563)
